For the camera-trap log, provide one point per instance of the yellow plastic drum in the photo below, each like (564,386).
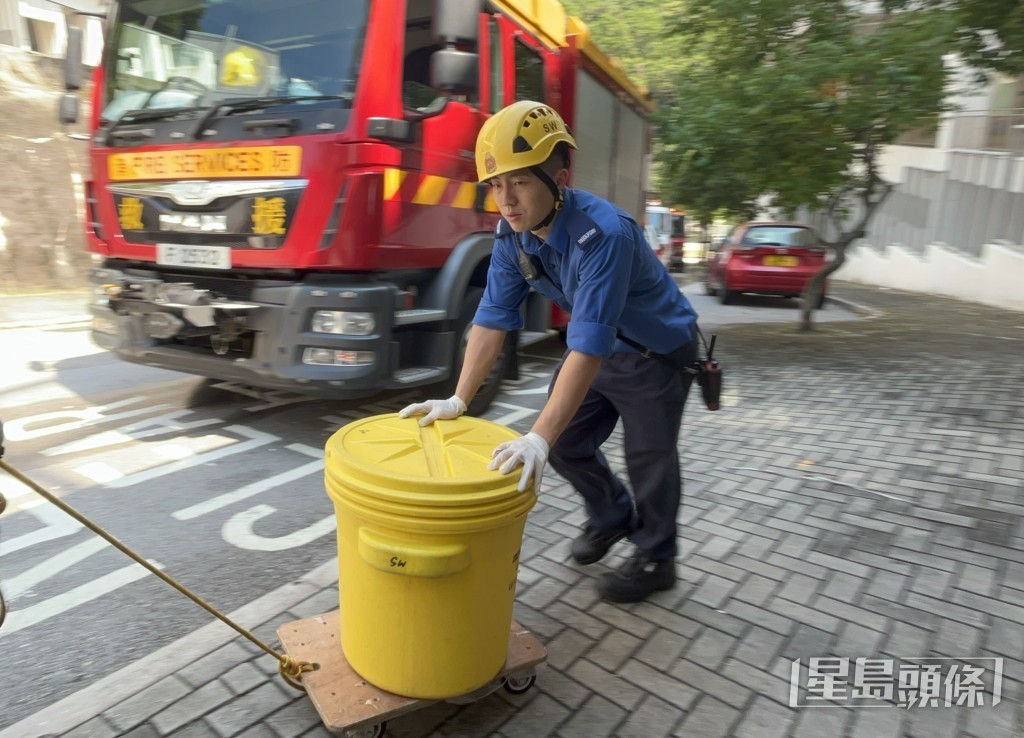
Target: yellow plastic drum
(428,551)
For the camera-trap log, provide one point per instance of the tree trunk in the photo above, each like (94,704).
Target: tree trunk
(870,202)
(816,284)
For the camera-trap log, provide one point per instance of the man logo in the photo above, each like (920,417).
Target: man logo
(489,163)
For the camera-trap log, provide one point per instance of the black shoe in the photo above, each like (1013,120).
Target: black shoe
(637,578)
(591,546)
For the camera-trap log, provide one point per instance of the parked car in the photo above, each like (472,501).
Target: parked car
(766,258)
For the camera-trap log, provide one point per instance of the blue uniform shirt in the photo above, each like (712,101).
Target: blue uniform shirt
(597,265)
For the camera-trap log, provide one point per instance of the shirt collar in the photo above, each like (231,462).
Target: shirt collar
(558,238)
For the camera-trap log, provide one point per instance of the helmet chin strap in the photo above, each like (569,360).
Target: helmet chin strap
(559,198)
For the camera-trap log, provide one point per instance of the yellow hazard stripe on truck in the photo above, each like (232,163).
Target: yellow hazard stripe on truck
(429,189)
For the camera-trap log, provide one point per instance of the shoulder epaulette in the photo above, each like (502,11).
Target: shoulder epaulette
(583,230)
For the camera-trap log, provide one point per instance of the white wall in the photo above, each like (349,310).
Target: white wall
(993,279)
(944,266)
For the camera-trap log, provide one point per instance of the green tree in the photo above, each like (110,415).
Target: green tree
(793,101)
(636,34)
(989,33)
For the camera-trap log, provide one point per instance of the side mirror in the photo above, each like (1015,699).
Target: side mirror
(454,71)
(73,59)
(68,111)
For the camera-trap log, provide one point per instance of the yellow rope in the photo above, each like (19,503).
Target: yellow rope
(291,670)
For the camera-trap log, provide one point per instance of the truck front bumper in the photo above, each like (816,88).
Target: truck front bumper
(261,340)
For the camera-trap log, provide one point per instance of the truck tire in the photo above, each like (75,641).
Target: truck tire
(492,384)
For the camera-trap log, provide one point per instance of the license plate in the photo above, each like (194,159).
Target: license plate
(780,261)
(205,257)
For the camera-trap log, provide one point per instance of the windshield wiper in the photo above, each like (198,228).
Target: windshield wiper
(143,116)
(244,104)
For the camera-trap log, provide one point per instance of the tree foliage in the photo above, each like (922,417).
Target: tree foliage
(795,100)
(989,33)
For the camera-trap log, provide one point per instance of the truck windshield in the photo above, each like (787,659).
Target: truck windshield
(198,53)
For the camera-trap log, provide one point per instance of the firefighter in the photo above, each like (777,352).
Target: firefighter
(591,259)
(240,68)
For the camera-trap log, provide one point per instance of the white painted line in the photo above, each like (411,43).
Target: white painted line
(29,616)
(173,451)
(99,472)
(100,696)
(54,565)
(518,413)
(261,485)
(543,390)
(257,439)
(238,531)
(56,524)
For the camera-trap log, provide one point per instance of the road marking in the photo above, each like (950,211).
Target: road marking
(83,705)
(542,390)
(255,488)
(34,614)
(99,472)
(161,424)
(256,439)
(20,429)
(56,523)
(67,558)
(518,413)
(238,531)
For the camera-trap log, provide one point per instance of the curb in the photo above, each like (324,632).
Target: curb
(861,311)
(89,702)
(45,323)
(67,308)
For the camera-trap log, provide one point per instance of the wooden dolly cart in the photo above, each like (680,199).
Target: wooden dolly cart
(354,708)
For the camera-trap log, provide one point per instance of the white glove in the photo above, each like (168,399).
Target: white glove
(530,450)
(448,409)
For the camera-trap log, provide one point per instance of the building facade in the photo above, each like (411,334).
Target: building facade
(954,225)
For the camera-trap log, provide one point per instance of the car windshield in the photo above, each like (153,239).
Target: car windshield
(792,236)
(197,53)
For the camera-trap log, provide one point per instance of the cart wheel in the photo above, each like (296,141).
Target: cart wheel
(518,684)
(370,731)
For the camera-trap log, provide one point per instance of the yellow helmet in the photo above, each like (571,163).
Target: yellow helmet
(519,136)
(241,67)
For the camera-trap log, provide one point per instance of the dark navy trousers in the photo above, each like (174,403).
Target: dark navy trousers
(648,395)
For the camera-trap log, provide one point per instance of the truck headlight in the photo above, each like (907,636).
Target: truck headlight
(330,357)
(343,323)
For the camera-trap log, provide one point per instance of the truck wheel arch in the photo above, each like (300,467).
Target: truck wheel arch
(466,266)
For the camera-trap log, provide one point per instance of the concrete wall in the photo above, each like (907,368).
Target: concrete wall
(41,204)
(994,278)
(954,226)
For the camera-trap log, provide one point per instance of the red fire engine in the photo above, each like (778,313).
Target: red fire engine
(282,193)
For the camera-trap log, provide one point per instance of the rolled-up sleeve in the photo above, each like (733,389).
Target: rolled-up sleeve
(604,278)
(505,291)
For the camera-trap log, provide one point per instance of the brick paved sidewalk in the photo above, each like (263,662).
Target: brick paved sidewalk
(859,495)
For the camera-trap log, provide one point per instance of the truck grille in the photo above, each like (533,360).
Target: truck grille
(235,289)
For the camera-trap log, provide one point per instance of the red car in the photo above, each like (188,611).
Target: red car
(766,258)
